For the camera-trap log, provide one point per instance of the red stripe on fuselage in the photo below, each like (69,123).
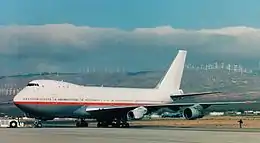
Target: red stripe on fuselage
(81,103)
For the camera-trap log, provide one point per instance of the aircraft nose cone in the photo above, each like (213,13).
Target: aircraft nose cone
(17,98)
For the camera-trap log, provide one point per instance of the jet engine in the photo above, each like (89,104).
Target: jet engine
(193,112)
(137,113)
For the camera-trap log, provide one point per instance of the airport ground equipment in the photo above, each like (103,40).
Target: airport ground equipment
(11,123)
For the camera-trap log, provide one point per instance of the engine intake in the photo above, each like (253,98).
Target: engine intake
(193,112)
(137,113)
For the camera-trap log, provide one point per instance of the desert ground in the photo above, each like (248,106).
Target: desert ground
(209,121)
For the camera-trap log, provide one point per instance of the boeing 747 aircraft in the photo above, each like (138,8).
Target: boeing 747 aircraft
(49,99)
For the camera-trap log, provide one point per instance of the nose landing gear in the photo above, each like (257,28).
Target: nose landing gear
(81,123)
(37,124)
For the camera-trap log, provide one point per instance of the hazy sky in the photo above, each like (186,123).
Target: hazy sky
(43,35)
(128,14)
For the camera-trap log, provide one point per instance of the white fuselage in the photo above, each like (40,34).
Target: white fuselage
(62,99)
(63,92)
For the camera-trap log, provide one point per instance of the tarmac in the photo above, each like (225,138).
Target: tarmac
(129,135)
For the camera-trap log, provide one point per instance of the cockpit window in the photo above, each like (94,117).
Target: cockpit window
(32,84)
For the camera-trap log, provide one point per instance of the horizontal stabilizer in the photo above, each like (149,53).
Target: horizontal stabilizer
(174,97)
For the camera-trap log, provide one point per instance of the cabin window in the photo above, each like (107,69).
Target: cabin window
(32,84)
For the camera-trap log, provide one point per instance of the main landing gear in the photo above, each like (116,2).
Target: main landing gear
(115,124)
(37,124)
(81,123)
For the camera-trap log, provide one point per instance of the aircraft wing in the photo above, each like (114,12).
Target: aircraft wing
(158,106)
(205,104)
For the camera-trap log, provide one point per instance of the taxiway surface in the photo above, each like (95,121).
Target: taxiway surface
(117,135)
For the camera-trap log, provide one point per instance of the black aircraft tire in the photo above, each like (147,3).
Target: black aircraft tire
(81,124)
(78,124)
(126,125)
(39,125)
(13,124)
(84,124)
(98,124)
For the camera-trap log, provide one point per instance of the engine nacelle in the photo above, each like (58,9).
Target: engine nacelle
(137,113)
(193,112)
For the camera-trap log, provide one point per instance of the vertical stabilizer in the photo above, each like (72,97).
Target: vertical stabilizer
(172,80)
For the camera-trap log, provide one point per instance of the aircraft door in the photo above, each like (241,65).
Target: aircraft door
(35,91)
(53,100)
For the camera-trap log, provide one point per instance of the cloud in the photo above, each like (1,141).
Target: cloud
(64,34)
(68,47)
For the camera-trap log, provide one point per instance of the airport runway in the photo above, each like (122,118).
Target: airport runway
(130,135)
